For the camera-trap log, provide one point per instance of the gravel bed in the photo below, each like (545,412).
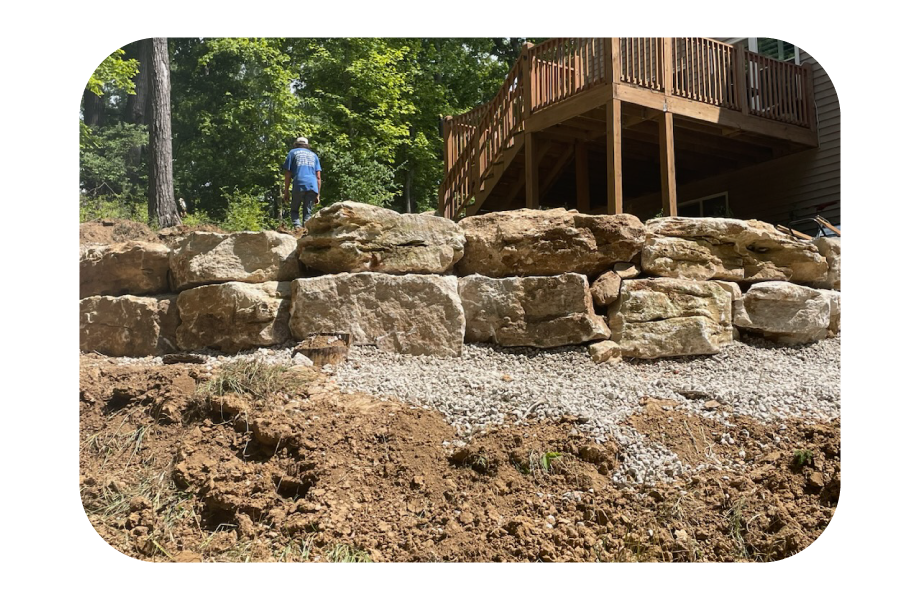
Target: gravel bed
(488,386)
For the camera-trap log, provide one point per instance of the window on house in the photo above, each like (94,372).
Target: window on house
(709,206)
(774,48)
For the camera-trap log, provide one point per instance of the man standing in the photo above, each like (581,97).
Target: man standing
(302,165)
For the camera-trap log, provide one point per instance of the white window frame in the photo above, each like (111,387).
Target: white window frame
(703,199)
(752,46)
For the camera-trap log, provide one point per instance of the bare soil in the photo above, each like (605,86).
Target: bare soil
(174,467)
(113,231)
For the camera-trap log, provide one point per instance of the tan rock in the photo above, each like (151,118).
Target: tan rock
(606,288)
(128,325)
(728,249)
(410,314)
(551,242)
(203,258)
(787,313)
(135,268)
(830,250)
(541,312)
(833,298)
(738,313)
(351,237)
(626,270)
(234,316)
(671,317)
(604,351)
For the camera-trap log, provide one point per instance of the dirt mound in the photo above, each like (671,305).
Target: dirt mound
(112,231)
(262,463)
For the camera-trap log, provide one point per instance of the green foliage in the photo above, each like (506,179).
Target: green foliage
(196,218)
(546,460)
(114,72)
(112,207)
(800,458)
(107,166)
(245,212)
(370,106)
(346,553)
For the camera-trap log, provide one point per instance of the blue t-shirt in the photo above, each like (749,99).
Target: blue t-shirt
(303,165)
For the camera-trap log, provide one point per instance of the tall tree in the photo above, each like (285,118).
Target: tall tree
(161,202)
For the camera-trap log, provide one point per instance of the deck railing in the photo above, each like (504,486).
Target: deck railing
(704,70)
(698,69)
(563,67)
(776,90)
(641,62)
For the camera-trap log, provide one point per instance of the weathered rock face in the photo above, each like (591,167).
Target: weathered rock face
(234,316)
(606,288)
(203,258)
(830,250)
(671,317)
(542,312)
(728,249)
(786,313)
(135,268)
(550,242)
(833,298)
(128,325)
(411,314)
(350,237)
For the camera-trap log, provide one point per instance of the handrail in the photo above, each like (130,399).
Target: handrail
(698,69)
(704,70)
(496,122)
(776,89)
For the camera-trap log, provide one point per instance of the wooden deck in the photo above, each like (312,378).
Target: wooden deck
(575,115)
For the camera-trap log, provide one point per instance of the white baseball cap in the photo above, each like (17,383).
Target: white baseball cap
(302,141)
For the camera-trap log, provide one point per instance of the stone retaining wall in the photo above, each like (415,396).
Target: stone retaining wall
(420,284)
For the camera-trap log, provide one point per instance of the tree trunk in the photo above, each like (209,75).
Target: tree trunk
(161,202)
(93,106)
(138,104)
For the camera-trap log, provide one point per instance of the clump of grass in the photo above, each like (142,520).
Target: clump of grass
(800,458)
(297,551)
(252,378)
(345,553)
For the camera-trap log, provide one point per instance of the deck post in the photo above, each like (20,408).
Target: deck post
(667,66)
(668,172)
(527,79)
(448,131)
(614,157)
(811,111)
(531,170)
(582,184)
(741,80)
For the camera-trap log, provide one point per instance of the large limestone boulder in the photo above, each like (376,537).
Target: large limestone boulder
(542,312)
(351,237)
(203,258)
(128,325)
(728,249)
(833,298)
(234,316)
(786,313)
(830,250)
(410,314)
(135,268)
(547,242)
(671,317)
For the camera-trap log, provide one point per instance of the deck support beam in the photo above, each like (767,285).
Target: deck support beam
(668,171)
(614,157)
(582,183)
(531,171)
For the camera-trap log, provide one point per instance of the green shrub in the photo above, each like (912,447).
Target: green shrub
(245,212)
(113,207)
